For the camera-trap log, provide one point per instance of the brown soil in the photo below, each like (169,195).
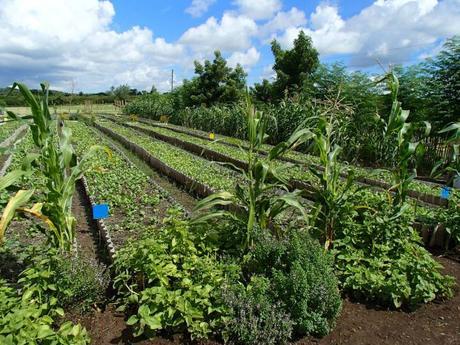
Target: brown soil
(88,241)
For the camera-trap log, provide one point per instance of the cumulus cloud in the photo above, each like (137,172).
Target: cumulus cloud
(246,59)
(283,20)
(258,9)
(199,7)
(72,41)
(390,31)
(231,33)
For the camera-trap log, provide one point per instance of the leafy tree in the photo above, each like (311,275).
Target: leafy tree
(215,83)
(444,85)
(121,92)
(262,92)
(294,67)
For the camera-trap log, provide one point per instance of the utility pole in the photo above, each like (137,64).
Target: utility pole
(172,80)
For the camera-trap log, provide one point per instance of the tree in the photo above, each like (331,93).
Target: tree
(121,92)
(444,85)
(294,67)
(262,92)
(215,83)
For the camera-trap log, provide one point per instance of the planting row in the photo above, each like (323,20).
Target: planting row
(234,155)
(361,173)
(209,173)
(135,202)
(428,216)
(7,129)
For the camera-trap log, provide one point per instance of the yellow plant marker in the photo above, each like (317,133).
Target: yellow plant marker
(212,136)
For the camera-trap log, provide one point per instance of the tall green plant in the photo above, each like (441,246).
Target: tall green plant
(331,193)
(401,137)
(58,164)
(258,200)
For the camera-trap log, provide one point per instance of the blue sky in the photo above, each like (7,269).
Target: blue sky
(91,45)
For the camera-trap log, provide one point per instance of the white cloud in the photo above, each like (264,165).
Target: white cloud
(390,31)
(232,33)
(283,20)
(258,9)
(62,41)
(245,59)
(199,7)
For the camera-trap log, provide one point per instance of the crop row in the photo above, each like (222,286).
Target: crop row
(135,202)
(234,155)
(209,173)
(305,159)
(7,129)
(426,214)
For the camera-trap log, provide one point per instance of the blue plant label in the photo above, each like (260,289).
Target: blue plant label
(100,211)
(445,192)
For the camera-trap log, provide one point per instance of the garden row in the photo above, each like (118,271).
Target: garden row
(7,129)
(176,164)
(135,202)
(420,189)
(298,172)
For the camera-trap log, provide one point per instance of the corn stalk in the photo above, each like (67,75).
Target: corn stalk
(264,195)
(57,163)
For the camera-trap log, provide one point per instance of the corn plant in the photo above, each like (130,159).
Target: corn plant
(57,162)
(264,194)
(401,135)
(331,193)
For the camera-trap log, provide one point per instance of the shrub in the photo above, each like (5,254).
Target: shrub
(171,280)
(26,321)
(379,257)
(254,318)
(65,280)
(301,277)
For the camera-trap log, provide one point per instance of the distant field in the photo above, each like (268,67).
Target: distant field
(95,108)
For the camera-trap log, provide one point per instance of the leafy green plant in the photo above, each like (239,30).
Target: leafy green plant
(379,257)
(25,320)
(330,192)
(171,281)
(301,278)
(62,280)
(254,318)
(400,135)
(58,163)
(258,201)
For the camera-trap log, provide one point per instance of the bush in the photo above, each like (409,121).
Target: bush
(379,258)
(301,278)
(255,319)
(171,280)
(26,321)
(70,281)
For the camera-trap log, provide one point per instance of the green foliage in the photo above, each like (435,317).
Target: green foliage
(27,321)
(151,106)
(379,257)
(172,280)
(254,318)
(63,280)
(215,83)
(58,164)
(444,84)
(121,92)
(294,67)
(257,203)
(301,278)
(400,141)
